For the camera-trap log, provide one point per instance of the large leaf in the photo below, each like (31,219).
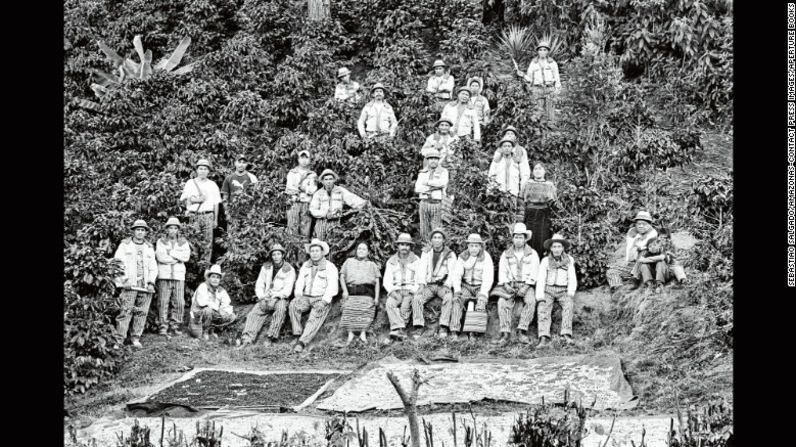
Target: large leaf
(161,63)
(112,55)
(99,90)
(146,65)
(139,47)
(178,53)
(186,69)
(104,78)
(131,69)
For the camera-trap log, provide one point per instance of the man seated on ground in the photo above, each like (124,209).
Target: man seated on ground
(273,289)
(472,279)
(659,262)
(463,116)
(636,239)
(211,307)
(517,272)
(401,281)
(435,280)
(316,286)
(377,117)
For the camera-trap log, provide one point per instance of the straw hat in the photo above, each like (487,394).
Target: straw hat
(543,44)
(204,162)
(643,215)
(557,238)
(464,88)
(377,86)
(519,228)
(277,247)
(507,140)
(404,238)
(474,238)
(439,63)
(173,221)
(317,243)
(328,172)
(342,72)
(214,269)
(443,120)
(433,153)
(140,223)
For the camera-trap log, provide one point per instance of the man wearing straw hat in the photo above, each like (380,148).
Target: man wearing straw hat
(440,140)
(346,90)
(431,185)
(543,76)
(273,289)
(472,280)
(137,281)
(316,286)
(377,117)
(327,203)
(556,282)
(441,83)
(512,171)
(171,252)
(479,101)
(302,182)
(211,306)
(201,198)
(518,269)
(463,116)
(636,242)
(436,280)
(402,282)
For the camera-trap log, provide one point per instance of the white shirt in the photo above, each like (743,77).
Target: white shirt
(207,188)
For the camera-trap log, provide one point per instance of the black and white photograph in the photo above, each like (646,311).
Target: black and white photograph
(372,223)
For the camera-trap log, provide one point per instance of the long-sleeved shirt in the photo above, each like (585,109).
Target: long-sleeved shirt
(543,73)
(442,143)
(428,179)
(345,91)
(511,173)
(482,109)
(556,277)
(207,188)
(377,118)
(323,283)
(442,86)
(218,300)
(301,184)
(127,252)
(522,266)
(475,271)
(280,285)
(464,119)
(171,255)
(430,273)
(636,242)
(402,275)
(323,202)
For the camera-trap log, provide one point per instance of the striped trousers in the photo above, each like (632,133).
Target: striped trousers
(551,294)
(318,308)
(135,307)
(299,220)
(618,273)
(256,318)
(430,217)
(506,305)
(399,308)
(170,291)
(205,318)
(468,293)
(205,223)
(544,100)
(322,227)
(427,294)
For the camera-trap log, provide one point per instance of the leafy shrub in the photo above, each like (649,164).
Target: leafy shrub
(550,425)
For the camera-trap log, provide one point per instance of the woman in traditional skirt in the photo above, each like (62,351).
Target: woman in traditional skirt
(539,196)
(359,281)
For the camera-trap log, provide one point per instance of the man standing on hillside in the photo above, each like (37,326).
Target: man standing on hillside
(302,182)
(440,141)
(346,90)
(201,198)
(431,185)
(327,203)
(440,84)
(463,116)
(171,252)
(378,117)
(137,282)
(236,182)
(316,286)
(401,281)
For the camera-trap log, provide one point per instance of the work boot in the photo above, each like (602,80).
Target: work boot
(299,347)
(398,334)
(240,344)
(443,332)
(659,288)
(136,343)
(417,333)
(163,331)
(648,288)
(524,339)
(471,337)
(176,331)
(504,338)
(454,336)
(543,343)
(268,341)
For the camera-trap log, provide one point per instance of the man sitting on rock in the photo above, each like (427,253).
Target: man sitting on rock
(435,280)
(401,281)
(637,239)
(211,307)
(316,286)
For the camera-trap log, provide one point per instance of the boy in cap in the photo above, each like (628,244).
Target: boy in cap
(201,198)
(273,288)
(327,203)
(302,182)
(472,280)
(543,76)
(636,242)
(211,307)
(557,281)
(137,282)
(435,279)
(346,90)
(463,116)
(377,117)
(171,252)
(431,185)
(518,269)
(316,286)
(238,180)
(440,140)
(401,281)
(478,101)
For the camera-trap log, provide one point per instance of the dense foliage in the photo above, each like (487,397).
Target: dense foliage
(262,85)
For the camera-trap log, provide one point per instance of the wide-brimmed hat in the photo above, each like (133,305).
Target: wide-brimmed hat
(173,221)
(443,120)
(439,230)
(404,238)
(643,215)
(432,153)
(204,162)
(304,152)
(509,128)
(277,247)
(464,88)
(328,172)
(474,238)
(376,86)
(507,140)
(520,228)
(439,63)
(214,269)
(557,238)
(543,44)
(317,243)
(342,72)
(139,223)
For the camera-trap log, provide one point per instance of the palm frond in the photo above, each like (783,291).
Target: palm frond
(515,42)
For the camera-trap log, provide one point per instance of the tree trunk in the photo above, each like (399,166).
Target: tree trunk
(410,403)
(318,9)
